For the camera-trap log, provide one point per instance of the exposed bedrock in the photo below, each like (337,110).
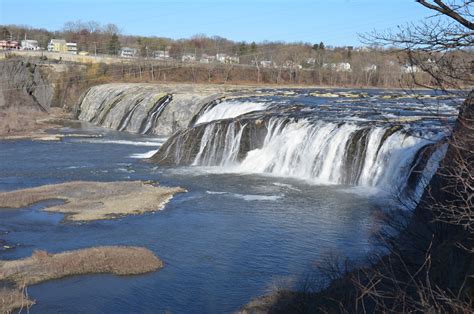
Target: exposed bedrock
(142,108)
(25,84)
(38,85)
(214,143)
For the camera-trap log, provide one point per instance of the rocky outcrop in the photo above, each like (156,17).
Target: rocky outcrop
(142,108)
(37,84)
(223,136)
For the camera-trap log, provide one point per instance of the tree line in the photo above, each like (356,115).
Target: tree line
(270,62)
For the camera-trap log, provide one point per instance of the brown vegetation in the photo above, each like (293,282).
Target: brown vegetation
(11,300)
(19,119)
(25,122)
(43,266)
(86,201)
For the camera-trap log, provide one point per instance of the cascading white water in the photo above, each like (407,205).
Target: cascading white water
(230,109)
(318,152)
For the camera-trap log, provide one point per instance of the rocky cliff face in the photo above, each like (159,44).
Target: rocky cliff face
(33,84)
(142,108)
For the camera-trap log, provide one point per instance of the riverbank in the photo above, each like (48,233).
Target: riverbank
(18,123)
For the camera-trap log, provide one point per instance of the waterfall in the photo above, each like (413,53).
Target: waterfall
(229,109)
(150,121)
(368,155)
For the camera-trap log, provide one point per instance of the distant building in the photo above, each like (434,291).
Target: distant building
(9,45)
(71,48)
(370,68)
(162,55)
(338,67)
(224,58)
(29,44)
(188,57)
(207,58)
(408,69)
(362,49)
(266,63)
(233,60)
(291,65)
(220,57)
(57,45)
(127,52)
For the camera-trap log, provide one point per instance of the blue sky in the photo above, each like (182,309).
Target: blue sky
(335,22)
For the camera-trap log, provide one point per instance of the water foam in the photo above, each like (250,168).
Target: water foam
(148,154)
(248,197)
(155,143)
(317,151)
(230,109)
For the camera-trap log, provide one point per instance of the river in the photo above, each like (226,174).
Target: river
(240,230)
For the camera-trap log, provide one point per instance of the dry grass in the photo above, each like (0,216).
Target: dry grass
(11,300)
(14,120)
(26,122)
(42,266)
(86,201)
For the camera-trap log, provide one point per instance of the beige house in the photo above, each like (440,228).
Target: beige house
(58,45)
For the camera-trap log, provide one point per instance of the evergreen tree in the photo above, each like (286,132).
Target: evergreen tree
(321,46)
(253,47)
(113,47)
(243,49)
(6,35)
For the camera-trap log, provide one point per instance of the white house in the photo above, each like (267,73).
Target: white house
(221,57)
(188,57)
(127,52)
(289,64)
(407,69)
(71,48)
(370,68)
(338,67)
(266,63)
(207,58)
(232,60)
(29,44)
(162,55)
(224,58)
(311,61)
